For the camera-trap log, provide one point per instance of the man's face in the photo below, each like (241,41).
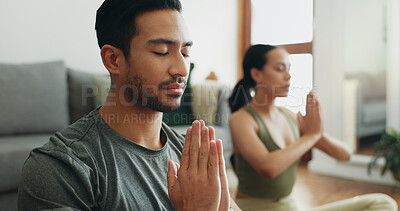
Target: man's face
(158,65)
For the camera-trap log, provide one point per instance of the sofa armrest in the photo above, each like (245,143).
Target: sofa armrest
(223,112)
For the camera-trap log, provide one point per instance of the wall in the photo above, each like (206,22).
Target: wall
(365,36)
(43,30)
(213,27)
(329,69)
(393,74)
(329,62)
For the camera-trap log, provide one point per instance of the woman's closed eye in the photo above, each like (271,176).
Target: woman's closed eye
(280,68)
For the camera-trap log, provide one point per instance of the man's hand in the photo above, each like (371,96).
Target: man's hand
(225,196)
(196,184)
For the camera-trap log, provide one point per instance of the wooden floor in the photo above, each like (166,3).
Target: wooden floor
(312,189)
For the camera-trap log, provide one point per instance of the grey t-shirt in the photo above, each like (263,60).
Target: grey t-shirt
(88,166)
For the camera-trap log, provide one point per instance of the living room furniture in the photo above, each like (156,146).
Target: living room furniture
(370,103)
(37,100)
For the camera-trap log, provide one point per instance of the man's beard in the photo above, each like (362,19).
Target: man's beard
(147,96)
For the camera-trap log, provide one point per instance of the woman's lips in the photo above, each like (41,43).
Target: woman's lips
(286,87)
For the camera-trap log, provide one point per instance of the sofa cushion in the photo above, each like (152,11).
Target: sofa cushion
(374,112)
(14,150)
(103,84)
(223,111)
(372,86)
(205,100)
(377,87)
(9,201)
(81,93)
(33,98)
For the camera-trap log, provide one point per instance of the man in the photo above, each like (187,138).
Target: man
(116,157)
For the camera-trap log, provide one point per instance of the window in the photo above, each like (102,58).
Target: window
(287,23)
(281,22)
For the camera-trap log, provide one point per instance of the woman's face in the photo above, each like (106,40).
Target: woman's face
(274,76)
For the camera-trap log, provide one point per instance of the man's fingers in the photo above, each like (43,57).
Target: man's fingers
(221,160)
(203,156)
(186,149)
(177,167)
(172,175)
(221,164)
(225,198)
(194,147)
(202,123)
(212,133)
(213,161)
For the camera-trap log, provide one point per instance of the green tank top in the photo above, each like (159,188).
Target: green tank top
(253,184)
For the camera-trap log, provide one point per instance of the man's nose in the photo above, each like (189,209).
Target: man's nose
(179,66)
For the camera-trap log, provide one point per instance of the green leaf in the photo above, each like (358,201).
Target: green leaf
(388,147)
(394,133)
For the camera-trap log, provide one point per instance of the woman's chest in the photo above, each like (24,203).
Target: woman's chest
(280,131)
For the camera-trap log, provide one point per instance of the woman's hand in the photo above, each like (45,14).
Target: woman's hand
(311,123)
(196,184)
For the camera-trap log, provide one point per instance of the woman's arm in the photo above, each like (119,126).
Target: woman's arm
(334,147)
(328,144)
(268,164)
(271,164)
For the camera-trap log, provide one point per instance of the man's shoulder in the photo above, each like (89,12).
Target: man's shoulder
(68,144)
(75,132)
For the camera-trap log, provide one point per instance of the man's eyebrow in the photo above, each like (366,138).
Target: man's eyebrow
(168,42)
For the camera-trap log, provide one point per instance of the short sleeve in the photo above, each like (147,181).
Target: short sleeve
(55,179)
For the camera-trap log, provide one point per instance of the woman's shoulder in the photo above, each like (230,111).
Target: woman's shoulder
(242,117)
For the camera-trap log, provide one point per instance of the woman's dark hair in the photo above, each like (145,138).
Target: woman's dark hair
(115,20)
(255,57)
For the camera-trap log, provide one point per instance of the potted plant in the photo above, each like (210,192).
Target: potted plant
(388,147)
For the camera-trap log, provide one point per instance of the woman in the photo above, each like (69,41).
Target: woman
(268,141)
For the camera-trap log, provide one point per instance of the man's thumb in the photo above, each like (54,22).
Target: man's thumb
(172,174)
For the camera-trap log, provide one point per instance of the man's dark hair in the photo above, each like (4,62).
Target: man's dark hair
(115,20)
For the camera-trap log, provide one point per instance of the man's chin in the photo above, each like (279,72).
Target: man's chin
(169,109)
(172,103)
(169,104)
(166,107)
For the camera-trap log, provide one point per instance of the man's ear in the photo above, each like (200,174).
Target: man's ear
(112,58)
